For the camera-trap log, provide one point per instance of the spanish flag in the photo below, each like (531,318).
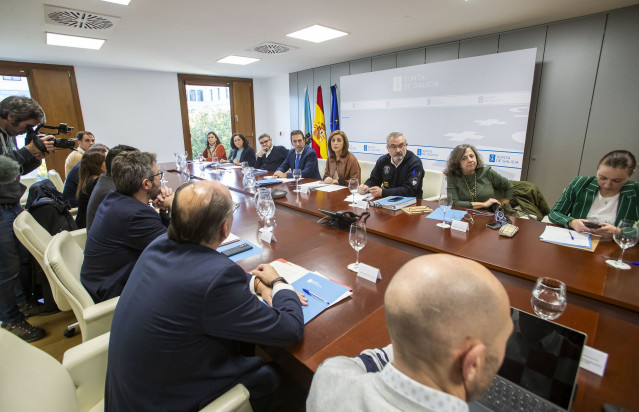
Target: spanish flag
(319,128)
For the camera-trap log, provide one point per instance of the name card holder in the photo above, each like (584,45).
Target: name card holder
(304,189)
(362,204)
(369,273)
(266,235)
(459,225)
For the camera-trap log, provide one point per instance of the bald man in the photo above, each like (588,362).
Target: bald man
(449,321)
(175,330)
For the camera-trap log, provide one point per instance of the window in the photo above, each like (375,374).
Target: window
(200,96)
(191,95)
(12,78)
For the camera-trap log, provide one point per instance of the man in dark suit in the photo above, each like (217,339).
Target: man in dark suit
(270,157)
(301,157)
(175,330)
(124,224)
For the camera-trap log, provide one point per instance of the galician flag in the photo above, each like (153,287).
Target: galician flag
(319,128)
(308,122)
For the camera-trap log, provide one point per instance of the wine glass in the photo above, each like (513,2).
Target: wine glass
(163,180)
(215,162)
(357,239)
(445,203)
(549,298)
(297,175)
(200,160)
(626,237)
(353,185)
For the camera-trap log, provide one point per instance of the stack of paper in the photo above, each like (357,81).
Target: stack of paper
(561,236)
(358,197)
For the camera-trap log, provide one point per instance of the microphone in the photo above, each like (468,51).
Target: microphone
(9,170)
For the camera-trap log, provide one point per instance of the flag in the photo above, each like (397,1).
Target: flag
(308,122)
(319,128)
(334,109)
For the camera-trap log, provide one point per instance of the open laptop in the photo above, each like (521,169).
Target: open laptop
(540,368)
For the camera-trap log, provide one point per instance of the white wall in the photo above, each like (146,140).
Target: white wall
(135,107)
(272,109)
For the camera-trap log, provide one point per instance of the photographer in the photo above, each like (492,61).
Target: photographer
(17,116)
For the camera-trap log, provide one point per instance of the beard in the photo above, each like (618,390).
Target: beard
(153,191)
(398,158)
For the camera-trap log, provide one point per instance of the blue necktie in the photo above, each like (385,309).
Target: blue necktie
(297,161)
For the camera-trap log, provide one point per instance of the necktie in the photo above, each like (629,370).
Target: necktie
(297,161)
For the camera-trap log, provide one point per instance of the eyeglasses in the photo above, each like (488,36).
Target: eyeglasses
(235,206)
(161,174)
(398,147)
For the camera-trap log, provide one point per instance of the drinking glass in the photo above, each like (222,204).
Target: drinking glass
(180,160)
(548,298)
(445,203)
(297,175)
(265,208)
(163,180)
(626,237)
(200,160)
(215,161)
(353,185)
(357,239)
(244,166)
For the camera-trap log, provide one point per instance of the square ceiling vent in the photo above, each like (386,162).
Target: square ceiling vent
(79,21)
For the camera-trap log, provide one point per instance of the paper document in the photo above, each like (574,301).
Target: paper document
(452,214)
(358,197)
(562,236)
(230,239)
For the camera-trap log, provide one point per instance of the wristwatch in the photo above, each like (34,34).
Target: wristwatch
(280,279)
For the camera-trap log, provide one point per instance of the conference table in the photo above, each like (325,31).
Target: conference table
(602,301)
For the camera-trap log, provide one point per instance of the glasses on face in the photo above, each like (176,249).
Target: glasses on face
(160,173)
(264,142)
(398,147)
(235,206)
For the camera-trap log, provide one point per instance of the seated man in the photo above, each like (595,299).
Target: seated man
(398,173)
(85,141)
(124,224)
(270,157)
(175,332)
(449,322)
(299,157)
(105,182)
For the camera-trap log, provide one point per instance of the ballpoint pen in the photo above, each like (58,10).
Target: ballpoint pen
(571,236)
(308,292)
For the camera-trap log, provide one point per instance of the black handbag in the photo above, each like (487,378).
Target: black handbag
(343,219)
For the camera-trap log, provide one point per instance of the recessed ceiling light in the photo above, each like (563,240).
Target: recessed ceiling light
(317,34)
(54,39)
(237,60)
(124,2)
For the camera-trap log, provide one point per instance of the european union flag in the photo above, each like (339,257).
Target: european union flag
(334,109)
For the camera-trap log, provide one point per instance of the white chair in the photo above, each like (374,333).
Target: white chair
(32,380)
(367,168)
(321,165)
(432,185)
(63,260)
(27,181)
(57,180)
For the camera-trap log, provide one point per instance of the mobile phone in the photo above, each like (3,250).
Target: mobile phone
(591,225)
(237,250)
(395,199)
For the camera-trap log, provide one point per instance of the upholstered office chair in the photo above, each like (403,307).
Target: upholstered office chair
(63,260)
(432,184)
(32,380)
(367,168)
(56,179)
(321,165)
(27,181)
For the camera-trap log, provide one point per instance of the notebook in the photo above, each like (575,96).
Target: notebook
(539,370)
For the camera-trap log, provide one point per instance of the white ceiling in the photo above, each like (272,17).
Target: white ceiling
(188,36)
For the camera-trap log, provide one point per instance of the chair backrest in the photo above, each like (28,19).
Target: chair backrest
(321,165)
(432,184)
(63,258)
(57,180)
(87,365)
(31,380)
(367,168)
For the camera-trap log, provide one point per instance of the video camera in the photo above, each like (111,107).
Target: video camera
(32,135)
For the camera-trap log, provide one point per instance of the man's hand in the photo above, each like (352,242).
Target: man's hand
(266,273)
(164,199)
(363,189)
(261,153)
(279,174)
(48,143)
(376,191)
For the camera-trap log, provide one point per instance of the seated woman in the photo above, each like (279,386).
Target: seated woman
(214,148)
(341,165)
(241,151)
(91,166)
(471,184)
(604,199)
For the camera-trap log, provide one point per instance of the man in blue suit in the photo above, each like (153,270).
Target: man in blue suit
(299,157)
(175,331)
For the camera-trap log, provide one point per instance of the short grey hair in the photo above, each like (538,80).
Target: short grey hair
(129,169)
(22,108)
(263,135)
(393,135)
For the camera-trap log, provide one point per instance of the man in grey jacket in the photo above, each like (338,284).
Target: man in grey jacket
(449,321)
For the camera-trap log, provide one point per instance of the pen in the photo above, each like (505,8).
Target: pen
(571,236)
(314,295)
(627,261)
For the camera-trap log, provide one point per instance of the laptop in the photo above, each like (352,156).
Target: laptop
(540,368)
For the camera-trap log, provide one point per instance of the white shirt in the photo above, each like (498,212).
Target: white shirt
(604,209)
(421,394)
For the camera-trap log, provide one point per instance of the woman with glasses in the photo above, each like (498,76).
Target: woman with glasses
(473,185)
(341,165)
(241,151)
(597,203)
(214,148)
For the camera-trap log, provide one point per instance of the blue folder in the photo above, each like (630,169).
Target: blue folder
(324,288)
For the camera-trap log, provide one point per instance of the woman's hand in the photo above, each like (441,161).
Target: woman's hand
(329,180)
(578,225)
(237,163)
(606,231)
(488,203)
